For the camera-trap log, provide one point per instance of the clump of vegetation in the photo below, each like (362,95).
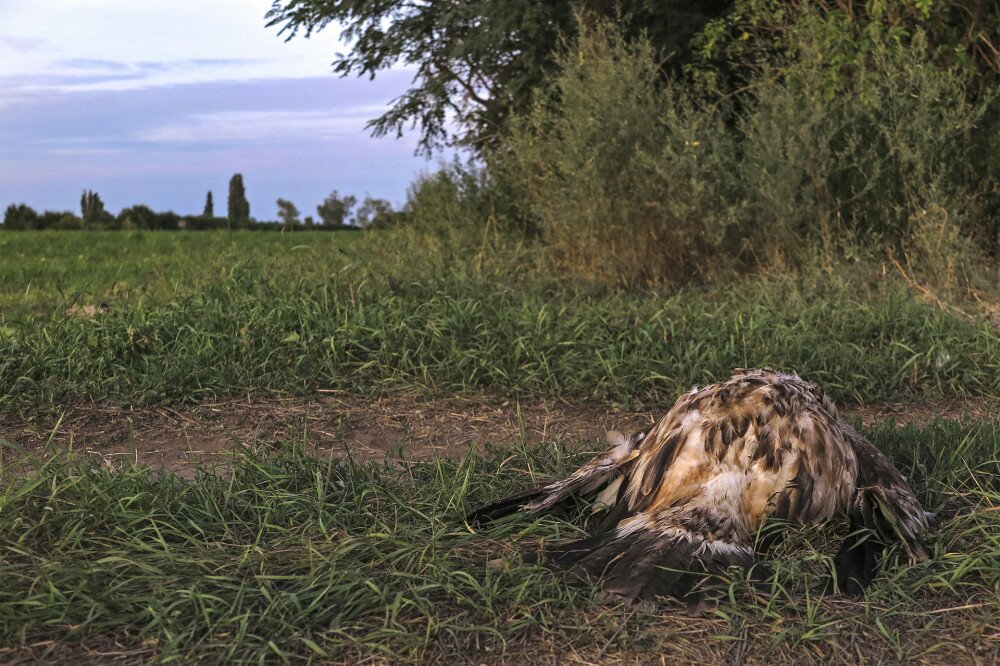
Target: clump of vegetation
(627,179)
(634,178)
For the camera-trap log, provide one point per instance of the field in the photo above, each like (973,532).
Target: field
(48,269)
(260,447)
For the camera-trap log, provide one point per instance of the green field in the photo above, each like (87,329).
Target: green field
(44,271)
(269,314)
(278,555)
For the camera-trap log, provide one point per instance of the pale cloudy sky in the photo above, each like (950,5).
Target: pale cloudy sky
(159,101)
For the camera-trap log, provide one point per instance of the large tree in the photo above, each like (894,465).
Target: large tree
(239,207)
(373,212)
(476,61)
(92,210)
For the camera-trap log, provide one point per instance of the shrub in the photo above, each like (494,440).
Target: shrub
(883,153)
(626,180)
(826,153)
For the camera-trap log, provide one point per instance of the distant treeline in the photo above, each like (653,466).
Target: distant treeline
(335,213)
(21,217)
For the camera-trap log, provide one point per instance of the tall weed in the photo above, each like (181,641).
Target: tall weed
(623,177)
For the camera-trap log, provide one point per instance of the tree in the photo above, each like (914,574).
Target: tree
(19,217)
(373,213)
(335,209)
(477,61)
(64,221)
(239,207)
(92,210)
(309,222)
(139,216)
(209,206)
(288,214)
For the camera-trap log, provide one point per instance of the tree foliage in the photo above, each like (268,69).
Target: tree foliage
(209,206)
(19,217)
(476,61)
(758,34)
(142,216)
(374,213)
(288,213)
(92,210)
(335,209)
(239,207)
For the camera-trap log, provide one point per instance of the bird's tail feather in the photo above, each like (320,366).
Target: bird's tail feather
(885,503)
(884,512)
(894,519)
(502,508)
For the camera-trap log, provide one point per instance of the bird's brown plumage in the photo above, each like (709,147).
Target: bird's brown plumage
(688,496)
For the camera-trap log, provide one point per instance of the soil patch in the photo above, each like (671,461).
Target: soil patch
(410,426)
(366,428)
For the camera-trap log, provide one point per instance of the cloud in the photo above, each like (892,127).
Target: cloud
(264,125)
(86,152)
(22,83)
(24,44)
(95,74)
(214,62)
(167,42)
(91,64)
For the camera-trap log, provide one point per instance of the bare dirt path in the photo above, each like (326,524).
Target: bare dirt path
(417,427)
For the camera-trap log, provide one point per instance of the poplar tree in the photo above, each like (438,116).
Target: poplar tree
(239,207)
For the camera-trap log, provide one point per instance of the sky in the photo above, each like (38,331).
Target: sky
(159,101)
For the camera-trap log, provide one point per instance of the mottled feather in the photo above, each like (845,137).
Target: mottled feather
(687,497)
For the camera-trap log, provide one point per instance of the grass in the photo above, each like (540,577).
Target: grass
(253,332)
(44,271)
(285,557)
(280,556)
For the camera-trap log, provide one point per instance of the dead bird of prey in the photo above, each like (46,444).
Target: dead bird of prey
(686,497)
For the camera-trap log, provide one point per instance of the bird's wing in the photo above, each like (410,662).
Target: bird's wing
(602,471)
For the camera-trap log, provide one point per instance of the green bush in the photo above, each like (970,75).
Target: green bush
(884,154)
(625,179)
(847,144)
